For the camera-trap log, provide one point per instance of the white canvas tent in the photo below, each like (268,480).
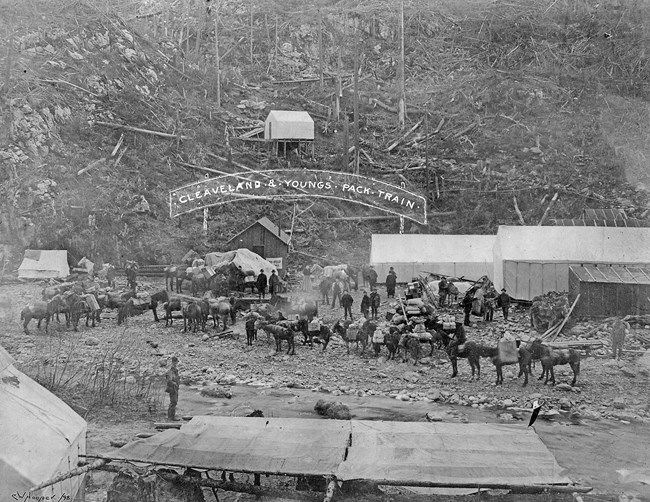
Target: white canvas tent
(288,125)
(43,437)
(414,254)
(44,264)
(530,261)
(249,261)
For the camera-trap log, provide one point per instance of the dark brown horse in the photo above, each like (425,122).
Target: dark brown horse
(553,357)
(456,345)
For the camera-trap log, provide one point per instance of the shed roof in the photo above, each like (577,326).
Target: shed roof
(618,222)
(604,214)
(612,274)
(574,245)
(290,116)
(431,248)
(268,225)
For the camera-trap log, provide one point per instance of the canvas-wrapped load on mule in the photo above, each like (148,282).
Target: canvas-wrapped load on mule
(314,325)
(91,301)
(379,335)
(508,352)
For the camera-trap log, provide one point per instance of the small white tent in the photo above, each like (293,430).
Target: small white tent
(44,264)
(414,254)
(530,261)
(288,125)
(43,437)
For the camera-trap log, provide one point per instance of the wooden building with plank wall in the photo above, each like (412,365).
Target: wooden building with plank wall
(264,238)
(607,291)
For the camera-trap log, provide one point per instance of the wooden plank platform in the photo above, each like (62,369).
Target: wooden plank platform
(396,453)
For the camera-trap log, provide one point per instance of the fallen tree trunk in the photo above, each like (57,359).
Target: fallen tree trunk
(138,129)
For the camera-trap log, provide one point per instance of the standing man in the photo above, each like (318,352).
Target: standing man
(375,300)
(365,305)
(488,301)
(336,292)
(306,278)
(504,301)
(261,283)
(173,383)
(274,284)
(391,282)
(619,328)
(443,288)
(346,303)
(467,307)
(372,277)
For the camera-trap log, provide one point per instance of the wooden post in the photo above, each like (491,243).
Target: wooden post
(426,150)
(205,222)
(401,71)
(320,47)
(216,53)
(251,30)
(346,142)
(356,97)
(339,86)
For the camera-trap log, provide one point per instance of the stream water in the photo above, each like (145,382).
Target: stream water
(591,451)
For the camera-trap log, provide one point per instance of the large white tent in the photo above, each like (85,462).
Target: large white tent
(530,261)
(42,438)
(44,264)
(412,255)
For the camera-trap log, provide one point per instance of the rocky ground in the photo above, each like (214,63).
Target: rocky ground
(606,388)
(137,355)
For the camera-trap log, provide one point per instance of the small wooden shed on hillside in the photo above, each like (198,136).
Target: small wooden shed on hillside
(293,128)
(607,291)
(264,238)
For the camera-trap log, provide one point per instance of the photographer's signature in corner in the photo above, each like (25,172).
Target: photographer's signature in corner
(29,497)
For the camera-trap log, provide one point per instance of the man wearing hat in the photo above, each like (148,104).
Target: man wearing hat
(274,284)
(504,301)
(261,283)
(173,383)
(375,301)
(391,282)
(365,305)
(346,303)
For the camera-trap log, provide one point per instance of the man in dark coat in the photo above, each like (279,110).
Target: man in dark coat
(346,303)
(365,305)
(173,383)
(391,282)
(274,284)
(504,301)
(467,307)
(261,283)
(443,288)
(336,292)
(375,300)
(325,286)
(372,277)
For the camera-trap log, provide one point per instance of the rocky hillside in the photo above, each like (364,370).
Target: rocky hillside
(106,107)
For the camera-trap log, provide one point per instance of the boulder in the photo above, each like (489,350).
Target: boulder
(565,404)
(618,403)
(91,340)
(216,392)
(434,417)
(628,372)
(563,386)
